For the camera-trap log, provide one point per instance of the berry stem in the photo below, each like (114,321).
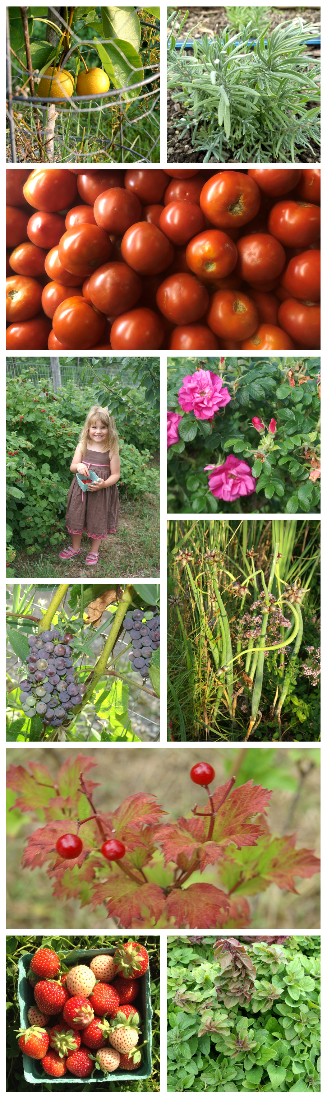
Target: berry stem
(55,603)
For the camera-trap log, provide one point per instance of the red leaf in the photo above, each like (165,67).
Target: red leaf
(198,906)
(41,845)
(233,820)
(37,788)
(288,863)
(137,810)
(70,774)
(187,838)
(133,906)
(239,914)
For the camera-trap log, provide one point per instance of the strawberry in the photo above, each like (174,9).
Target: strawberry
(124,1038)
(34,1016)
(78,1012)
(80,981)
(127,989)
(53,1064)
(33,1041)
(45,963)
(125,1014)
(103,967)
(104,999)
(96,1033)
(131,959)
(64,1039)
(80,1063)
(130,1061)
(50,997)
(107,1059)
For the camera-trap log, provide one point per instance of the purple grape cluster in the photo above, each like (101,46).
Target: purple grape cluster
(145,637)
(50,688)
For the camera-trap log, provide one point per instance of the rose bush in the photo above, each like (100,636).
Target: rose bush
(215,455)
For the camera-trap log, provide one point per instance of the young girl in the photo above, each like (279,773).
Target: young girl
(94,510)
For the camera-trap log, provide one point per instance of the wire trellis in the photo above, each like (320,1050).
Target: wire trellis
(121,125)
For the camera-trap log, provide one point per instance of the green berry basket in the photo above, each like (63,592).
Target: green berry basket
(33,1071)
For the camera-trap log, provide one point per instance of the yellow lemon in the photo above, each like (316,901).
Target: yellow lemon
(92,82)
(56,83)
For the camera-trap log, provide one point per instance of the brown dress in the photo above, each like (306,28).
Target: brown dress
(96,513)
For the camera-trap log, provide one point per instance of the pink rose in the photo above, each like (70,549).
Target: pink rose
(172,428)
(232,480)
(272,426)
(203,393)
(258,424)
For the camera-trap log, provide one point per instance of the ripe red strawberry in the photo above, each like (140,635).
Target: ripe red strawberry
(50,997)
(96,1033)
(78,1012)
(45,963)
(80,981)
(124,1039)
(107,1059)
(104,999)
(36,1017)
(64,1039)
(103,967)
(125,1014)
(130,1061)
(80,1064)
(131,959)
(33,1041)
(127,989)
(53,1064)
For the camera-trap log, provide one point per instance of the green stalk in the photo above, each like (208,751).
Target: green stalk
(180,712)
(189,660)
(288,674)
(55,603)
(228,647)
(257,687)
(109,645)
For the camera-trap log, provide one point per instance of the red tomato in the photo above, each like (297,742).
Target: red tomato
(115,210)
(181,173)
(211,255)
(268,338)
(295,224)
(16,226)
(84,248)
(193,338)
(29,335)
(152,213)
(146,249)
(23,298)
(15,179)
(147,183)
(275,181)
(114,288)
(260,257)
(230,199)
(230,282)
(267,306)
(180,221)
(182,299)
(266,288)
(45,229)
(28,259)
(54,344)
(55,293)
(188,190)
(302,321)
(50,189)
(8,268)
(229,345)
(79,215)
(150,285)
(138,330)
(77,325)
(94,181)
(57,272)
(308,189)
(231,313)
(302,276)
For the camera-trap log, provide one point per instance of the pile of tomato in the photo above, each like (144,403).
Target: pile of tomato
(146,258)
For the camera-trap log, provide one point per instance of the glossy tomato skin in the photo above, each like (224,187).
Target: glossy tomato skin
(267,306)
(184,190)
(53,294)
(116,209)
(23,298)
(50,189)
(301,279)
(77,325)
(211,254)
(295,224)
(268,338)
(230,199)
(16,226)
(28,259)
(139,329)
(146,249)
(84,248)
(147,183)
(180,221)
(79,215)
(182,299)
(45,229)
(232,314)
(308,189)
(15,179)
(54,344)
(114,288)
(260,258)
(152,213)
(275,181)
(301,321)
(181,173)
(94,181)
(193,338)
(57,273)
(29,335)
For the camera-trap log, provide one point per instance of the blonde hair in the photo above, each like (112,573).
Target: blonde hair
(99,413)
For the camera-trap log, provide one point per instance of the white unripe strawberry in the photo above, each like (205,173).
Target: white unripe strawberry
(107,1059)
(103,967)
(124,1039)
(80,981)
(37,1018)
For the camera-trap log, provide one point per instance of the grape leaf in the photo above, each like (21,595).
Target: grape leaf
(137,810)
(36,790)
(129,902)
(18,643)
(199,906)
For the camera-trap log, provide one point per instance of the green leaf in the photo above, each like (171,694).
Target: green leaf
(193,483)
(122,64)
(153,11)
(284,390)
(149,593)
(188,428)
(154,671)
(204,427)
(41,54)
(292,504)
(305,493)
(177,448)
(18,643)
(257,468)
(122,23)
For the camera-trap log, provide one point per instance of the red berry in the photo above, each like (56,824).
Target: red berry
(104,999)
(69,846)
(34,1041)
(80,1063)
(53,1064)
(45,963)
(127,989)
(131,959)
(50,997)
(202,774)
(113,849)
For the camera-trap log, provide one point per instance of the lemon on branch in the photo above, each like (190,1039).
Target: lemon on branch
(56,83)
(92,82)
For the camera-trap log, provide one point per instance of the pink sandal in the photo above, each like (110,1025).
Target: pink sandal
(91,558)
(69,552)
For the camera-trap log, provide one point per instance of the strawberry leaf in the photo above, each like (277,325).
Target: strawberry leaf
(199,906)
(37,789)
